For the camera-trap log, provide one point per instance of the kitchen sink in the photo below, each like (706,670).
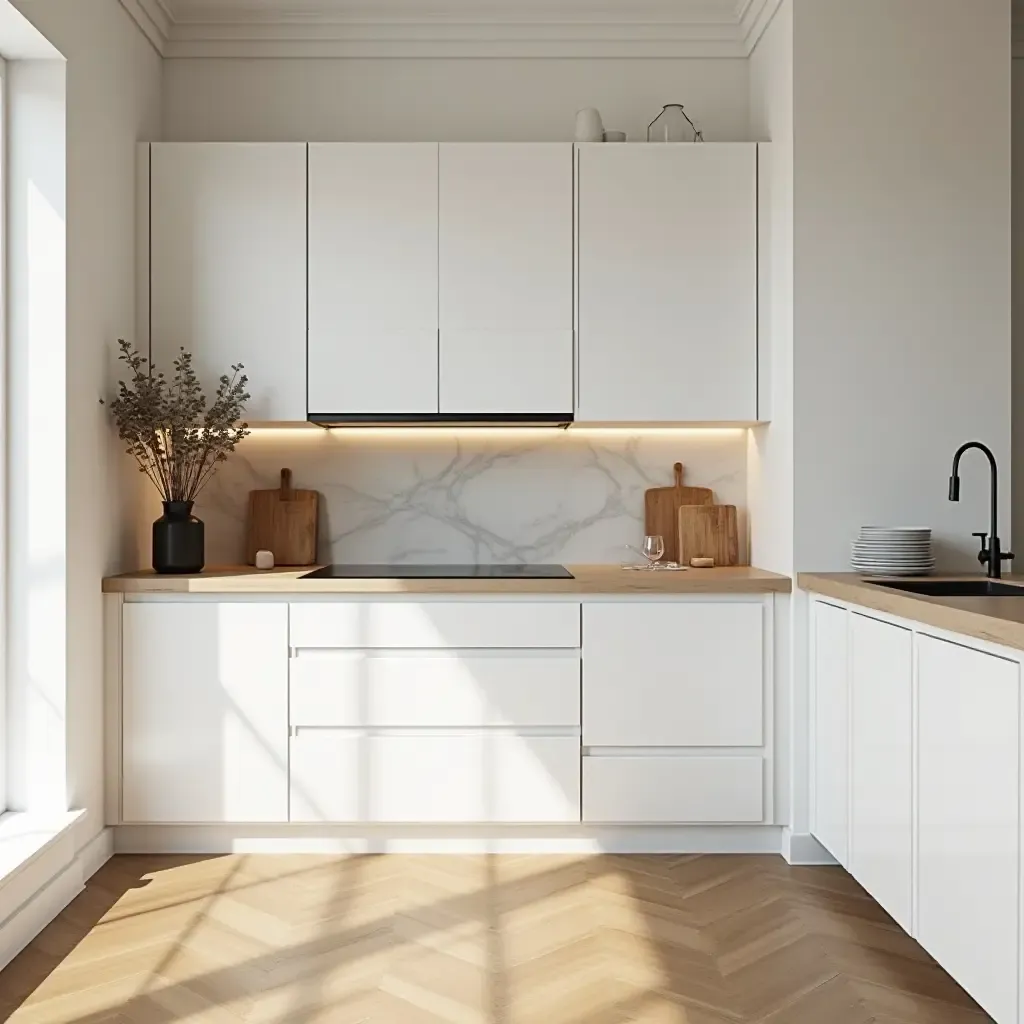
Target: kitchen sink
(953,588)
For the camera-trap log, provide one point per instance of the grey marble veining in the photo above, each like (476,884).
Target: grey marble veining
(408,497)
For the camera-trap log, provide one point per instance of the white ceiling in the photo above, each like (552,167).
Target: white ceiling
(452,28)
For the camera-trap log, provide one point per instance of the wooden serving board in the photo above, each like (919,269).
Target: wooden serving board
(285,522)
(661,510)
(709,531)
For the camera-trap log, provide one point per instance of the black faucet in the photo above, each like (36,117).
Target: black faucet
(992,555)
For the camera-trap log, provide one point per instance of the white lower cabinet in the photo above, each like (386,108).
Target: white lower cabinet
(435,712)
(205,712)
(674,712)
(451,711)
(435,625)
(928,777)
(692,789)
(673,674)
(830,790)
(446,689)
(441,777)
(968,870)
(881,763)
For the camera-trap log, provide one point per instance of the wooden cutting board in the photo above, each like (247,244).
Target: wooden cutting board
(283,521)
(661,510)
(709,531)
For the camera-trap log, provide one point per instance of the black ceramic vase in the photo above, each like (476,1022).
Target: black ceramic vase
(178,539)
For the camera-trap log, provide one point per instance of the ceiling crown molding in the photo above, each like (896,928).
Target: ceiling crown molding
(153,18)
(753,17)
(453,28)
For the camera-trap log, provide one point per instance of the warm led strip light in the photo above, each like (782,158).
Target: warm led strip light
(505,433)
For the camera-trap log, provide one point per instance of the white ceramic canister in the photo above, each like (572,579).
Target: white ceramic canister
(589,127)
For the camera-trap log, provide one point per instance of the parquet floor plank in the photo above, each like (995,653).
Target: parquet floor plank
(251,939)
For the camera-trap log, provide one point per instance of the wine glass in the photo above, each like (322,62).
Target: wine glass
(653,549)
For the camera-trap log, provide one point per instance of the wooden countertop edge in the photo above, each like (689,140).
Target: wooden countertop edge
(590,579)
(954,615)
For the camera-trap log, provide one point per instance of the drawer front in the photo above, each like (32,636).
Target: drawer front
(363,689)
(410,624)
(340,777)
(681,790)
(673,675)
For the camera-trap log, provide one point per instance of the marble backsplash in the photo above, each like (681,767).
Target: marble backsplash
(487,496)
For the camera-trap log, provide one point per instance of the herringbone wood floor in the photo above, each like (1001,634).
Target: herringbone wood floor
(475,940)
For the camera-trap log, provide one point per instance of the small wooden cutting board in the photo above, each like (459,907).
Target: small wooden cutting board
(285,522)
(709,531)
(661,510)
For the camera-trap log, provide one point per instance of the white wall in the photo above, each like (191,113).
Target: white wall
(449,100)
(113,99)
(1018,304)
(901,330)
(770,448)
(902,268)
(887,298)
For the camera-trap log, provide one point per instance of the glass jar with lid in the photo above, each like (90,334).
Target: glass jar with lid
(673,125)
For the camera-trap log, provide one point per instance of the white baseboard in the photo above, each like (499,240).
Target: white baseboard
(22,927)
(347,839)
(53,895)
(802,848)
(96,853)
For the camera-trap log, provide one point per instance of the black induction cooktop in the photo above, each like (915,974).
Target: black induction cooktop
(439,572)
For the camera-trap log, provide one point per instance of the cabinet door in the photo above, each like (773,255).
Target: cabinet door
(435,689)
(968,819)
(373,278)
(678,790)
(673,675)
(344,776)
(438,625)
(205,712)
(667,279)
(228,267)
(506,278)
(830,811)
(881,813)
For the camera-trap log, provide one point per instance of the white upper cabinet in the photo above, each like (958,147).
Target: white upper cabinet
(426,279)
(881,784)
(506,288)
(228,266)
(667,282)
(373,278)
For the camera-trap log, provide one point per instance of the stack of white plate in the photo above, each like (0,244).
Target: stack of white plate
(893,551)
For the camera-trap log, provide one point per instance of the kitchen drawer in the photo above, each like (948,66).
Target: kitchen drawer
(470,777)
(370,689)
(673,674)
(421,624)
(682,790)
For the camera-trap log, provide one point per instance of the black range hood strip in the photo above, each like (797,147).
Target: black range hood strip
(447,419)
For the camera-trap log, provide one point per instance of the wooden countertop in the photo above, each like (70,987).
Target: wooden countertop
(999,620)
(589,579)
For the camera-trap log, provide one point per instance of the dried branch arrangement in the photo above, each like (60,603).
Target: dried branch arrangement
(167,427)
